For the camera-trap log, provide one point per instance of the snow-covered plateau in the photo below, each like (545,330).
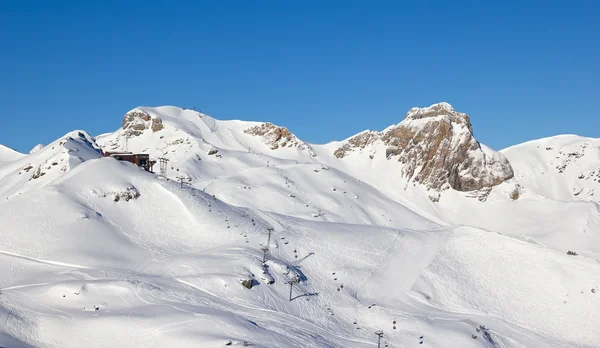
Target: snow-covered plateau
(253,237)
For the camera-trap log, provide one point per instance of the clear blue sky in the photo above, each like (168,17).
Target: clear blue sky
(324,69)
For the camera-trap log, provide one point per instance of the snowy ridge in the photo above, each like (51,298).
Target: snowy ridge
(96,245)
(564,167)
(42,167)
(36,148)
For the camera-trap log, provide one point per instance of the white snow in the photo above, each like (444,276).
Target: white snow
(98,252)
(564,167)
(36,148)
(8,155)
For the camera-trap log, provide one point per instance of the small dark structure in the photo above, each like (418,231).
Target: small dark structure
(139,159)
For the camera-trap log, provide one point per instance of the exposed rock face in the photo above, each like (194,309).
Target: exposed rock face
(361,141)
(278,137)
(156,124)
(437,148)
(136,121)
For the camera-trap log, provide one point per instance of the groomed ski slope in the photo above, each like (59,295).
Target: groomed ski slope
(104,254)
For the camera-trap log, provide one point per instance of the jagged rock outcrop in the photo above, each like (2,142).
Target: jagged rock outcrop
(437,148)
(136,121)
(278,137)
(359,141)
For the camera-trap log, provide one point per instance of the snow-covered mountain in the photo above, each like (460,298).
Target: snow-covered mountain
(418,230)
(565,167)
(437,148)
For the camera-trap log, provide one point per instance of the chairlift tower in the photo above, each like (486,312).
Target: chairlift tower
(265,250)
(163,166)
(291,282)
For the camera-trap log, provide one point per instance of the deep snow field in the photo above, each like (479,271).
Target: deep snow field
(96,252)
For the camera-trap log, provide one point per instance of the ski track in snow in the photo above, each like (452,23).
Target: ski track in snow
(48,262)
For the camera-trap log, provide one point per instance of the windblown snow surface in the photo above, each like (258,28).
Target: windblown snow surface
(99,253)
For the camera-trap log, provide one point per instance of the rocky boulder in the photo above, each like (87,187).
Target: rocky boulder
(248,283)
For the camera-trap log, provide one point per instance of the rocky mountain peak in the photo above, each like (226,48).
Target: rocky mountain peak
(436,148)
(136,121)
(439,110)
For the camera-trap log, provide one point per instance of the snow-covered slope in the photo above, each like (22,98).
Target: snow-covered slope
(8,155)
(43,167)
(36,148)
(98,252)
(162,265)
(564,167)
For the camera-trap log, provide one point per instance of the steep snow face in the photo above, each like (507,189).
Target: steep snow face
(8,155)
(565,167)
(436,148)
(41,168)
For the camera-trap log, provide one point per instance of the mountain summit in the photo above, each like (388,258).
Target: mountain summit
(437,148)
